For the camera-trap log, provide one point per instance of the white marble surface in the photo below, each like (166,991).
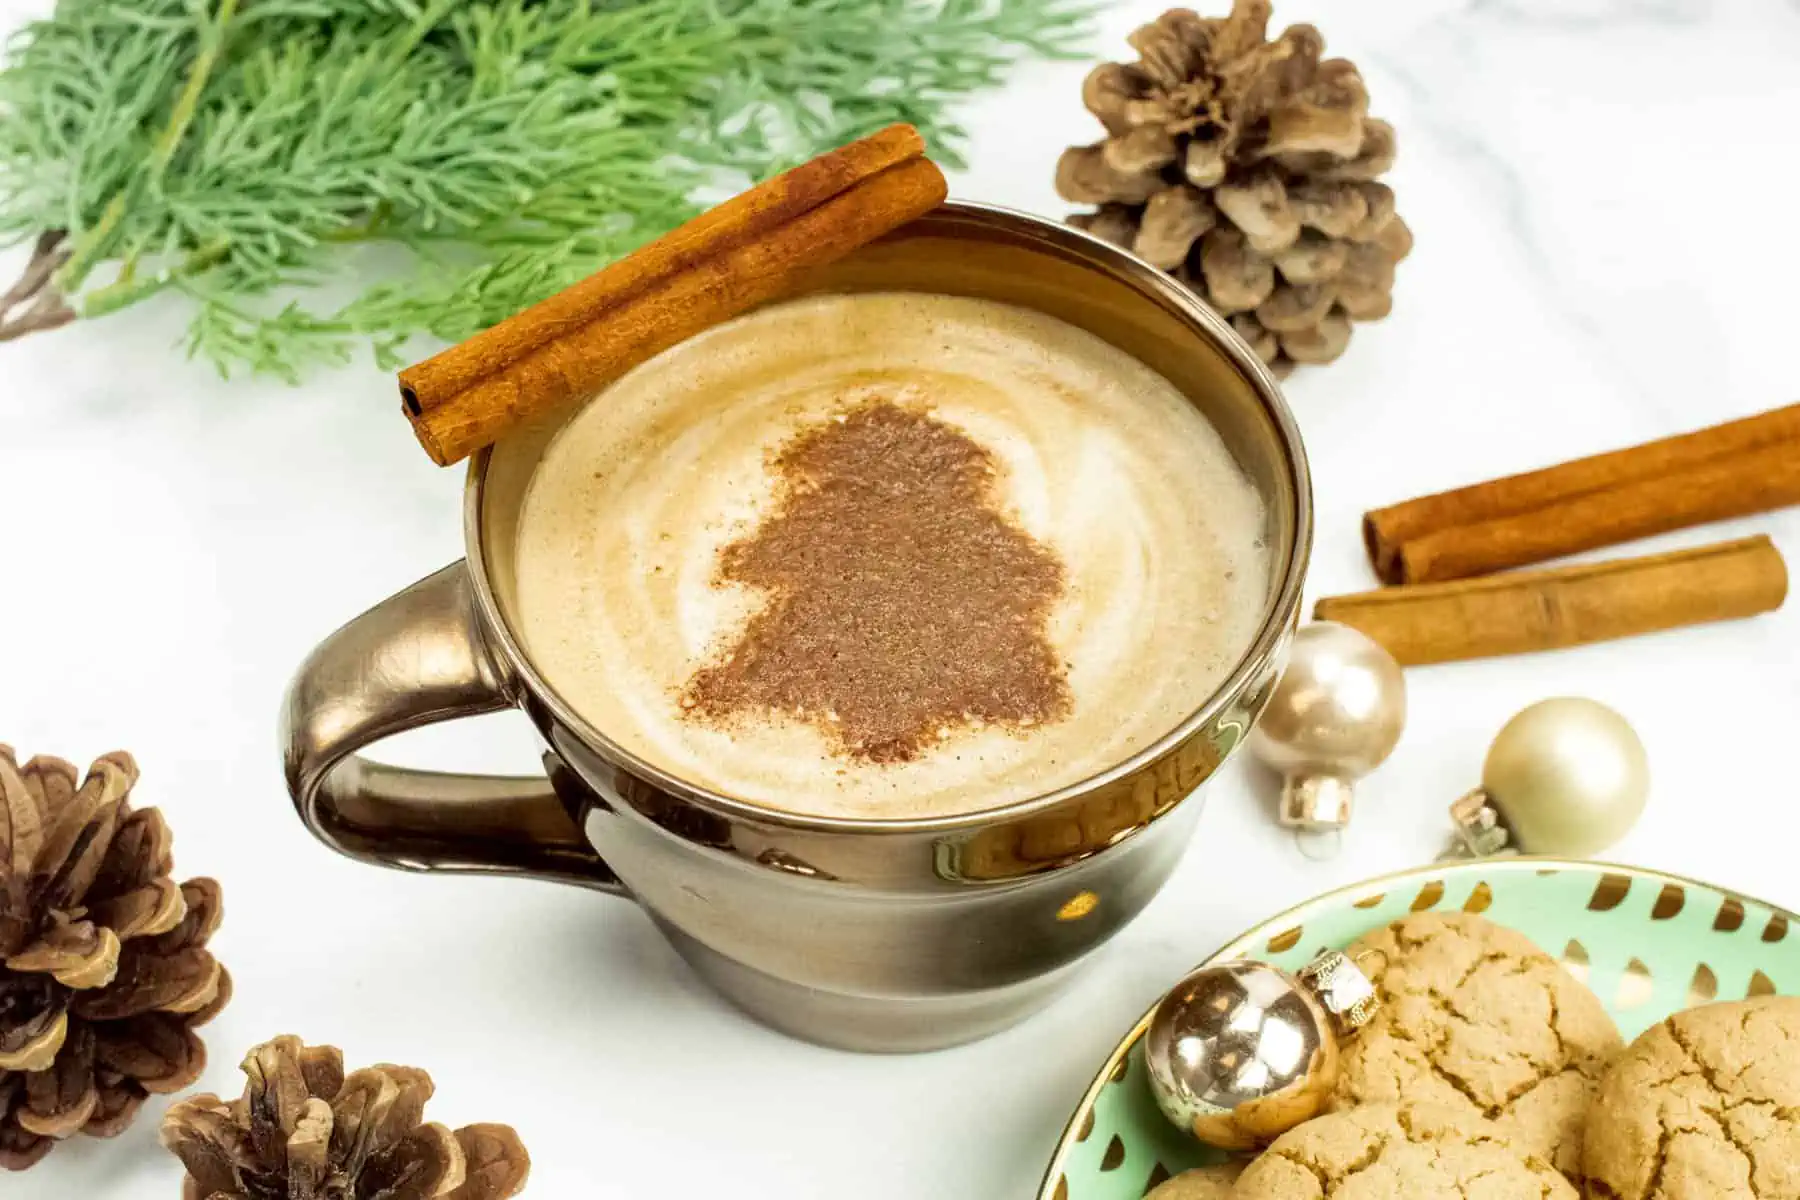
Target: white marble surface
(1602,194)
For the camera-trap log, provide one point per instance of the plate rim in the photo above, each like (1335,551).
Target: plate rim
(1295,915)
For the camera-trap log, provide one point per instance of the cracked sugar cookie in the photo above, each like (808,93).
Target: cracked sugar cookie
(1201,1183)
(1704,1106)
(1386,1152)
(1477,1019)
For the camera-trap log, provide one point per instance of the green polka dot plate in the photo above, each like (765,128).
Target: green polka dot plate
(1647,943)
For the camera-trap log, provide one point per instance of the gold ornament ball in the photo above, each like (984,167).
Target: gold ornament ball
(1238,1054)
(1568,776)
(1335,716)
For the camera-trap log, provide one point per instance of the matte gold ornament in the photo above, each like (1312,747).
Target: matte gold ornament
(1567,776)
(1336,715)
(1240,1052)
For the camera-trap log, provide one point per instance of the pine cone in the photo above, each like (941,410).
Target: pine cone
(304,1131)
(103,968)
(1247,168)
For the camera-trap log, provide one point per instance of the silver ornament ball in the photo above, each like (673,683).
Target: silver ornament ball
(1567,776)
(1335,715)
(1238,1054)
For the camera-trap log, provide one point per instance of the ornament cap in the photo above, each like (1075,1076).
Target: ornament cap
(1317,801)
(1480,827)
(1342,989)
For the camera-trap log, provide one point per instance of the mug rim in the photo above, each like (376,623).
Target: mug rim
(1158,286)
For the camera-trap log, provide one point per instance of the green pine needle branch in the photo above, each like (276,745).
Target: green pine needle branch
(271,159)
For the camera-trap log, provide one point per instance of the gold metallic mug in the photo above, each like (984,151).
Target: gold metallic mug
(872,935)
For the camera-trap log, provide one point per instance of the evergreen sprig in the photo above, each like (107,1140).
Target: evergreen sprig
(252,153)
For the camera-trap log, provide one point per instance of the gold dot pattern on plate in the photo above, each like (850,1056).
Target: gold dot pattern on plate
(1373,901)
(1636,986)
(1428,896)
(1609,893)
(1286,940)
(1776,929)
(1704,987)
(1576,961)
(1087,1126)
(1760,985)
(1479,899)
(1115,1154)
(1731,916)
(1159,1175)
(1669,901)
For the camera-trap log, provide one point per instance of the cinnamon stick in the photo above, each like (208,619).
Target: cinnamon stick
(1733,486)
(1389,531)
(745,252)
(1523,611)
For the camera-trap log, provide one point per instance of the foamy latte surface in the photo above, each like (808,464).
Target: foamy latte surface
(633,517)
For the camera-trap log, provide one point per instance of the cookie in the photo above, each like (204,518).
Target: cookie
(1704,1106)
(1201,1183)
(1479,1020)
(1387,1152)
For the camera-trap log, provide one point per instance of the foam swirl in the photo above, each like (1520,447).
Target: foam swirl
(1103,462)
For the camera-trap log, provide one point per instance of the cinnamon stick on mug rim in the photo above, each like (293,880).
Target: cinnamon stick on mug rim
(724,262)
(1524,611)
(1389,531)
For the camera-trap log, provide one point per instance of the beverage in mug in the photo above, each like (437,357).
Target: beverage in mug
(889,555)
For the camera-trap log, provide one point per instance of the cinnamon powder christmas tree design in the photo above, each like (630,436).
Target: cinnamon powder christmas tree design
(902,603)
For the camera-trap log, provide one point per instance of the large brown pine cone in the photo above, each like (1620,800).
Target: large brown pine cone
(104,971)
(1248,168)
(303,1130)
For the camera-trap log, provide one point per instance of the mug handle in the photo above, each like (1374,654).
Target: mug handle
(417,658)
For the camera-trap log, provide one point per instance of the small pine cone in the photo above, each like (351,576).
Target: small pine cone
(305,1129)
(1247,167)
(104,971)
